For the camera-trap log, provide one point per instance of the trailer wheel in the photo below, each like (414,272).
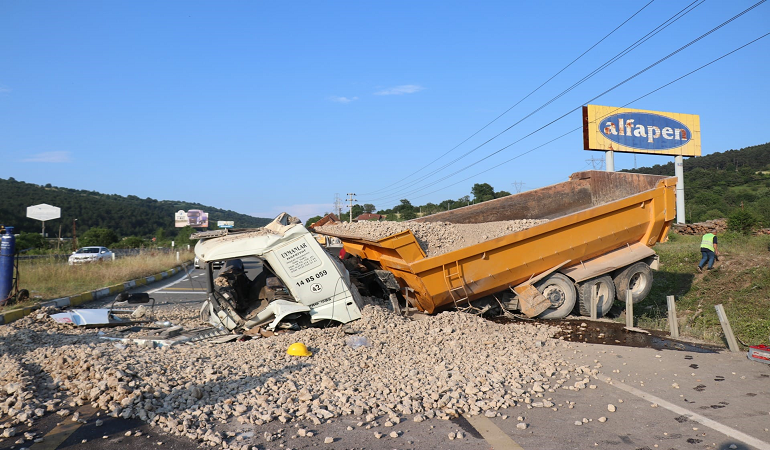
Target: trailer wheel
(560,291)
(602,288)
(637,278)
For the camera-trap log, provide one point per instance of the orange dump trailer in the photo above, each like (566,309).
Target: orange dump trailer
(595,247)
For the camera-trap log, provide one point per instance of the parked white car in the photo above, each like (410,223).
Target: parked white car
(90,254)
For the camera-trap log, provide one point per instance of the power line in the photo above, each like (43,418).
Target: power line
(687,9)
(517,103)
(606,115)
(589,101)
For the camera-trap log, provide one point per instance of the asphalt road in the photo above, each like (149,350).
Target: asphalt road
(663,399)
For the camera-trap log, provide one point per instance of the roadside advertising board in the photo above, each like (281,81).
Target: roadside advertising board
(626,130)
(194,218)
(225,223)
(43,212)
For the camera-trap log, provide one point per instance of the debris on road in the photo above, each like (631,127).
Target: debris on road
(188,390)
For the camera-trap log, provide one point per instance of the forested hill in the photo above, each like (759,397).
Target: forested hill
(127,216)
(756,158)
(733,184)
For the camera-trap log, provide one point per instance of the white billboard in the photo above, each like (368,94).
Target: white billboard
(43,212)
(225,223)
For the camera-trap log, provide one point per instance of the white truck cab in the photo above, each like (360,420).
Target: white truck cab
(298,278)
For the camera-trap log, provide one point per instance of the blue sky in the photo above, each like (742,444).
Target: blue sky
(264,107)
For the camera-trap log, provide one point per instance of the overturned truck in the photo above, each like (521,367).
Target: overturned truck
(594,247)
(296,283)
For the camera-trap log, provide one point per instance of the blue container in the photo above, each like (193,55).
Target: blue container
(7,251)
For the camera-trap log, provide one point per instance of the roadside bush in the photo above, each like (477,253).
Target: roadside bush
(742,221)
(130,242)
(99,236)
(30,240)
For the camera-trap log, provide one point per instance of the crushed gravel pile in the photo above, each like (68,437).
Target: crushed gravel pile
(439,367)
(435,238)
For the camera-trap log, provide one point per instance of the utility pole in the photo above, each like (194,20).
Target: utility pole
(74,236)
(518,185)
(350,197)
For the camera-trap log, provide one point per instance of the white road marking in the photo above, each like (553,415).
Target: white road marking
(491,433)
(713,424)
(184,278)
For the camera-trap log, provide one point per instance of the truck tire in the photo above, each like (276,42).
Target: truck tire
(560,291)
(637,278)
(603,287)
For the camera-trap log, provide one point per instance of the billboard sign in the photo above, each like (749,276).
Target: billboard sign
(629,130)
(225,223)
(43,212)
(194,218)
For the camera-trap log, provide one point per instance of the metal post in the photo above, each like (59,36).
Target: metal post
(594,301)
(609,161)
(729,336)
(629,309)
(673,324)
(679,172)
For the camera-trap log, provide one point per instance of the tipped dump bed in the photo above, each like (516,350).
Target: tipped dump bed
(589,216)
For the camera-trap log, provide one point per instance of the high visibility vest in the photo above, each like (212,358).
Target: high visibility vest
(707,242)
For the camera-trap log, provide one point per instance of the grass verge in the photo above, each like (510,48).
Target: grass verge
(740,281)
(48,278)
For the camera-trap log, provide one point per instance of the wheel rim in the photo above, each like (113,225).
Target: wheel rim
(637,283)
(554,295)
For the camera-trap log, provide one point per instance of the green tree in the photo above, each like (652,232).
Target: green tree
(482,192)
(183,236)
(160,234)
(98,236)
(408,215)
(404,206)
(368,208)
(502,194)
(312,220)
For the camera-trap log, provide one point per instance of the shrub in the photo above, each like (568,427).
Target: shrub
(741,221)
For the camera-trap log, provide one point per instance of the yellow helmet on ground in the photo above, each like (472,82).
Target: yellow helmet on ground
(298,349)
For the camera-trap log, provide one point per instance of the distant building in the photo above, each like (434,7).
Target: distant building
(369,216)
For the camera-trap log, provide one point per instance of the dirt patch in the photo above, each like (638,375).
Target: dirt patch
(435,238)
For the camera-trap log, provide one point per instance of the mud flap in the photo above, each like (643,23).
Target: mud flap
(531,301)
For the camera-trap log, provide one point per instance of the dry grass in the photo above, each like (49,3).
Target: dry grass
(48,278)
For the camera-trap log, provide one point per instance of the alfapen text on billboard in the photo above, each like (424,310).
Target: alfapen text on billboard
(639,131)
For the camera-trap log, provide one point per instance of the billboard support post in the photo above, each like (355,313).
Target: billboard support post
(609,160)
(43,212)
(679,172)
(626,130)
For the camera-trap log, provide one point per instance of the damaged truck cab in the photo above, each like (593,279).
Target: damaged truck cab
(298,279)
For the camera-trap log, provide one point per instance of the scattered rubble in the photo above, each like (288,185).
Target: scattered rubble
(198,390)
(435,238)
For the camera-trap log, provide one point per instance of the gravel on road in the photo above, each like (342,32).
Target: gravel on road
(440,367)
